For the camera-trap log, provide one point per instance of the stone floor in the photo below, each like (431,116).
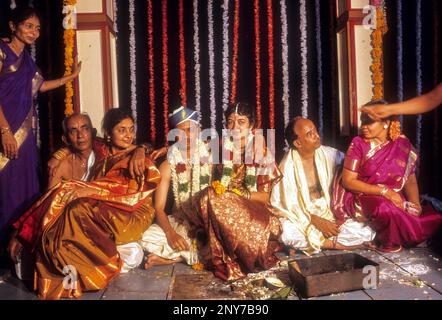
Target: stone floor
(410,275)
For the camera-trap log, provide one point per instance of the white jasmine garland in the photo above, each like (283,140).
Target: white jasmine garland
(132,59)
(226,72)
(211,65)
(304,59)
(196,52)
(200,172)
(285,63)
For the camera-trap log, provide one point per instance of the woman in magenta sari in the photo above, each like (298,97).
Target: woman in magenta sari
(379,185)
(20,80)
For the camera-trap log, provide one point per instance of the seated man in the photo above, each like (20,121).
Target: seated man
(302,198)
(379,184)
(168,241)
(75,163)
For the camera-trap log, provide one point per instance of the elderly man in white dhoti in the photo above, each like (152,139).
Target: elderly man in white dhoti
(302,198)
(188,170)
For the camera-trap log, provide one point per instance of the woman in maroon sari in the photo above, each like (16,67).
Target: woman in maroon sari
(381,187)
(20,80)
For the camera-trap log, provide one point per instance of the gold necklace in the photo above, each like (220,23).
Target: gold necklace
(16,50)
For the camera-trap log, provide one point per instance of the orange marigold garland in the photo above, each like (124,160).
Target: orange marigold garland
(69,42)
(395,130)
(377,66)
(377,51)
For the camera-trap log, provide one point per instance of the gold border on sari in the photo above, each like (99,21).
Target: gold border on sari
(13,67)
(412,158)
(352,164)
(375,148)
(37,81)
(2,56)
(20,136)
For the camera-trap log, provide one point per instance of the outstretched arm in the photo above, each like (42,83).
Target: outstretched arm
(421,104)
(54,84)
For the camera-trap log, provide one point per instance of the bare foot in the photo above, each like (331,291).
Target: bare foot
(370,246)
(154,260)
(331,245)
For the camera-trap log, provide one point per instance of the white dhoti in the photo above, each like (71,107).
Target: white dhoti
(132,256)
(351,233)
(292,203)
(154,241)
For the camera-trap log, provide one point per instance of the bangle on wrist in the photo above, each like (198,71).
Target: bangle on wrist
(4,130)
(384,191)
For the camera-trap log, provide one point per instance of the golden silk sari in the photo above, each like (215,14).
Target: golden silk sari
(76,247)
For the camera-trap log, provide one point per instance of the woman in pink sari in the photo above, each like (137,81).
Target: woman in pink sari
(378,185)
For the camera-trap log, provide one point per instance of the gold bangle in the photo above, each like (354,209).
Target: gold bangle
(384,191)
(4,130)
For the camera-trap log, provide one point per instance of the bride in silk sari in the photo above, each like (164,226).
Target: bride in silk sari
(84,222)
(379,185)
(236,231)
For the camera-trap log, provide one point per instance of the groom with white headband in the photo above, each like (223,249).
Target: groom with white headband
(188,169)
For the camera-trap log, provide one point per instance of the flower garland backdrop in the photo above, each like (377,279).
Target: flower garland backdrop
(298,27)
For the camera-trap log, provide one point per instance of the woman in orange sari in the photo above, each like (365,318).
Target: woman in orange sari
(84,222)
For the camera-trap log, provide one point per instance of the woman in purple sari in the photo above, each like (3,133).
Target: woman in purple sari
(379,186)
(20,80)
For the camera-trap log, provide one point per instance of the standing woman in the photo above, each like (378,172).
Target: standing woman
(20,80)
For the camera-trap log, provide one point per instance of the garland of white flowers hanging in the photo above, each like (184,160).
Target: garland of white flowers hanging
(132,61)
(211,65)
(400,53)
(285,63)
(419,73)
(37,111)
(115,8)
(320,73)
(196,53)
(226,71)
(304,59)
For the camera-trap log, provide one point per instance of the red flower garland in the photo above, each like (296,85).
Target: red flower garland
(235,53)
(182,56)
(258,64)
(436,79)
(151,71)
(165,69)
(271,64)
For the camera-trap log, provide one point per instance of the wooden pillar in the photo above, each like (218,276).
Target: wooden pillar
(97,85)
(354,61)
